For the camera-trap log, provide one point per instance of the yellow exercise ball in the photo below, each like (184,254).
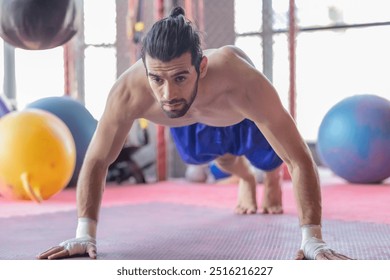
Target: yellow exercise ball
(37,155)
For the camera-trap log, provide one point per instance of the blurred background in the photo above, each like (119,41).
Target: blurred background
(316,53)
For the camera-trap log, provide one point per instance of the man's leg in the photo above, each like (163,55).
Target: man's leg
(239,166)
(272,195)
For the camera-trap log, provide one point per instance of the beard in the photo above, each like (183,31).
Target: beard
(181,105)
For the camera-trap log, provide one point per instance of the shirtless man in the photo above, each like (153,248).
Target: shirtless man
(204,97)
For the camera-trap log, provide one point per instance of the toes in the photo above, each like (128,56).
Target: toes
(238,210)
(250,211)
(274,210)
(245,211)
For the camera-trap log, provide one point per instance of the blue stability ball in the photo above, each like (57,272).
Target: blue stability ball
(354,139)
(79,121)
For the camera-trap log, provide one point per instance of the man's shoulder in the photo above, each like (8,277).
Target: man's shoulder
(134,77)
(136,69)
(227,50)
(231,60)
(230,54)
(132,84)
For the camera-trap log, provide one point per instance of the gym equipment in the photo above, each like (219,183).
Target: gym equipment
(38,24)
(4,107)
(196,173)
(79,120)
(354,139)
(37,155)
(125,167)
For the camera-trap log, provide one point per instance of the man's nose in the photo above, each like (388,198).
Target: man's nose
(169,92)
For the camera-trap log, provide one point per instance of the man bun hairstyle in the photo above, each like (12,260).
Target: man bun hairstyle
(171,37)
(177,11)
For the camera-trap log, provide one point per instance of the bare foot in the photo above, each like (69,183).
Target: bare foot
(272,199)
(246,196)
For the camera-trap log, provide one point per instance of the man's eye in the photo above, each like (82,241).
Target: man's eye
(180,79)
(156,80)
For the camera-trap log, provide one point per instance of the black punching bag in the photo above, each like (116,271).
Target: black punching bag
(38,24)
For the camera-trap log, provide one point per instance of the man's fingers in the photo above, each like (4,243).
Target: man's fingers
(50,251)
(343,257)
(91,250)
(336,256)
(321,257)
(75,246)
(325,255)
(300,255)
(61,254)
(331,255)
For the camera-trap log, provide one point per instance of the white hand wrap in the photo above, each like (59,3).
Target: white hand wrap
(79,246)
(86,227)
(85,237)
(312,243)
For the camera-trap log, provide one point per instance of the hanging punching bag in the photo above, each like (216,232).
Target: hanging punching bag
(38,24)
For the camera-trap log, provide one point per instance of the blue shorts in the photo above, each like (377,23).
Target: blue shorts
(199,144)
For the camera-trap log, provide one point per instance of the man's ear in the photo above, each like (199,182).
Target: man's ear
(203,67)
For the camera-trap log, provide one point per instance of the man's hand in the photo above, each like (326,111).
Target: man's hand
(71,247)
(316,249)
(84,243)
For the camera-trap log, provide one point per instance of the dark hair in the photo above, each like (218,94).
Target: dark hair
(171,37)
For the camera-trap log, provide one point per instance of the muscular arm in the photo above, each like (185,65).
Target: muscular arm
(103,149)
(105,146)
(281,132)
(122,108)
(260,103)
(253,96)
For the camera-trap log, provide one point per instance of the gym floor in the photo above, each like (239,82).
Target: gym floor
(177,220)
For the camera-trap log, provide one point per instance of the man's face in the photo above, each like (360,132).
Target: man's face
(174,83)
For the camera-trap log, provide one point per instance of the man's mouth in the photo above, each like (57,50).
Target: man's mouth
(173,106)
